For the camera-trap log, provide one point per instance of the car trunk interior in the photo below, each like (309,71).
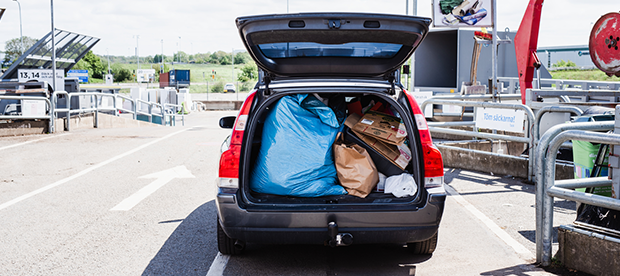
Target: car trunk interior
(366,98)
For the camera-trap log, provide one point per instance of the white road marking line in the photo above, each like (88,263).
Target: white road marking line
(518,247)
(218,265)
(32,141)
(90,169)
(162,178)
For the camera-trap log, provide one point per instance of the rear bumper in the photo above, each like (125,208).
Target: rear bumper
(310,227)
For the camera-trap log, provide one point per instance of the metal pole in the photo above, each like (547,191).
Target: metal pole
(21,36)
(162,57)
(494,49)
(109,71)
(137,55)
(53,47)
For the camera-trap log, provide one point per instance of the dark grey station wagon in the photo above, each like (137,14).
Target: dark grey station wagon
(354,57)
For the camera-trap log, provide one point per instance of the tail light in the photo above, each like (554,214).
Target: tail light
(229,160)
(433,163)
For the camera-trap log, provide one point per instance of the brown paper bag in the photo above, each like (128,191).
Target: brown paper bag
(356,170)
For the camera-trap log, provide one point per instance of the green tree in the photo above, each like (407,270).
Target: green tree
(219,57)
(242,58)
(12,48)
(225,60)
(249,71)
(121,74)
(157,58)
(95,67)
(157,67)
(180,57)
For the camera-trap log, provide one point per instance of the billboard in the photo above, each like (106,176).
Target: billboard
(145,75)
(462,13)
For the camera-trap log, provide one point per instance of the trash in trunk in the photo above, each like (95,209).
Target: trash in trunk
(295,157)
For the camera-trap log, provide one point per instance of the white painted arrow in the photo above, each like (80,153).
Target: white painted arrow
(161,179)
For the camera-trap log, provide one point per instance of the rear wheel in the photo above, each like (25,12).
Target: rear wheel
(423,247)
(225,244)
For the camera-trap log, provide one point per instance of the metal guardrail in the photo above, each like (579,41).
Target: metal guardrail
(174,113)
(52,109)
(544,246)
(115,107)
(150,114)
(133,106)
(513,84)
(530,119)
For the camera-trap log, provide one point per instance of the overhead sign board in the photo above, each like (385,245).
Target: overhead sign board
(25,75)
(462,13)
(500,119)
(82,75)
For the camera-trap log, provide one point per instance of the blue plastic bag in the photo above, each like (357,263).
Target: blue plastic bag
(295,158)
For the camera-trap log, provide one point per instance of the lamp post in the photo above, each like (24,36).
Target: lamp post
(53,47)
(21,36)
(179,50)
(162,57)
(107,52)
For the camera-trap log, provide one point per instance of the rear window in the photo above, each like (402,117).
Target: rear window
(312,49)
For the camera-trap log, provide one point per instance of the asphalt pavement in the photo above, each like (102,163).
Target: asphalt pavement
(60,196)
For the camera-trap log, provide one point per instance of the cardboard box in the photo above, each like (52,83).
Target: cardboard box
(383,127)
(399,155)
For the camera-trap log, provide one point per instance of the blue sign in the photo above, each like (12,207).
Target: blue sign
(82,75)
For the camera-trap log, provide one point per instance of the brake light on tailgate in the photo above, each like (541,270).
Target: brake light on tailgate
(229,161)
(433,163)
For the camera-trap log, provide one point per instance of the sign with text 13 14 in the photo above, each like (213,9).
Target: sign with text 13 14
(26,75)
(500,119)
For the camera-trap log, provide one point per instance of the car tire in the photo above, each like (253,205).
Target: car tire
(423,247)
(225,244)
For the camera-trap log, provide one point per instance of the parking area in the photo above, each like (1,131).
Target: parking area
(60,196)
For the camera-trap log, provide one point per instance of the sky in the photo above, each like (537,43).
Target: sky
(200,26)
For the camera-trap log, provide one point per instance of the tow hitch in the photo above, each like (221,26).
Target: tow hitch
(338,239)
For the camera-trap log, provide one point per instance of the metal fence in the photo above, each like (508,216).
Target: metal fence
(461,101)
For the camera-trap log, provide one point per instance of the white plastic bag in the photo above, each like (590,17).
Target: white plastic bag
(401,185)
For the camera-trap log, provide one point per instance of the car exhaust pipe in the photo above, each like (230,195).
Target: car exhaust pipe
(338,239)
(239,245)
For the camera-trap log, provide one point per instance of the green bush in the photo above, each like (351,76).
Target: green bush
(121,74)
(562,63)
(218,87)
(246,86)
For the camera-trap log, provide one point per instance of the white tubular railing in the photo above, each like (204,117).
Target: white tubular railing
(174,113)
(563,190)
(150,113)
(133,106)
(52,108)
(528,112)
